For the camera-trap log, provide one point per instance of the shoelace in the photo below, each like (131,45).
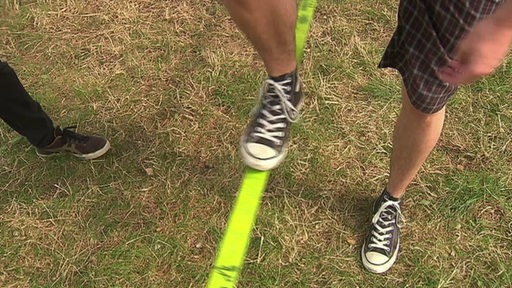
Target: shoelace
(69,136)
(270,126)
(383,222)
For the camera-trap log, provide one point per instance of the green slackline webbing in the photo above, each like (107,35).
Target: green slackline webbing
(234,244)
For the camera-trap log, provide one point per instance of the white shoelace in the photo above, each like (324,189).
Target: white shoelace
(267,129)
(382,221)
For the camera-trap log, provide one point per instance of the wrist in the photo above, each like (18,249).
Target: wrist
(502,16)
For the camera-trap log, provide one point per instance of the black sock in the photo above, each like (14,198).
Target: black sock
(386,194)
(283,77)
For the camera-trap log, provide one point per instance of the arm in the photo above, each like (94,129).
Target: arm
(503,14)
(482,49)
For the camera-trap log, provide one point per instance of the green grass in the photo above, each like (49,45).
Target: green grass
(171,84)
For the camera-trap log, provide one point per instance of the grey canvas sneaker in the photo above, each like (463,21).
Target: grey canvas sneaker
(265,141)
(380,248)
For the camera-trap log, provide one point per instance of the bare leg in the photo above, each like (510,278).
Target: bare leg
(416,133)
(270,27)
(415,136)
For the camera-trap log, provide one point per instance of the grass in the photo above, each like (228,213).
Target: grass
(171,84)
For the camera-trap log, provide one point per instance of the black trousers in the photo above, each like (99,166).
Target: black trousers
(21,112)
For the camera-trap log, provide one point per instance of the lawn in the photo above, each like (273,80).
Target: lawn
(171,85)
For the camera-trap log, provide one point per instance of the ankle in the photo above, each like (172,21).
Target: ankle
(391,196)
(49,140)
(282,72)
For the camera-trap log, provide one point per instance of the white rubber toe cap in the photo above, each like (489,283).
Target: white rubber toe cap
(376,258)
(260,157)
(260,151)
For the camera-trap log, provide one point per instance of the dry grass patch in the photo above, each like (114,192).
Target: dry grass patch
(171,83)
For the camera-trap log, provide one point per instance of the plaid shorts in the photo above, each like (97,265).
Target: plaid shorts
(425,38)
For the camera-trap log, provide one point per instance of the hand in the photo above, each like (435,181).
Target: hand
(479,53)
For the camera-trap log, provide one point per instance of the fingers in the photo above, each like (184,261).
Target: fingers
(453,73)
(458,73)
(459,70)
(450,73)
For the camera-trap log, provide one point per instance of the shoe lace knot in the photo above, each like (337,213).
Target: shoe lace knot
(70,136)
(387,217)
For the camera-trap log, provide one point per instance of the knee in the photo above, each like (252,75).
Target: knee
(424,118)
(420,113)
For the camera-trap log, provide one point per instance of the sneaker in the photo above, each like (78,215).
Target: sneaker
(265,141)
(380,247)
(66,140)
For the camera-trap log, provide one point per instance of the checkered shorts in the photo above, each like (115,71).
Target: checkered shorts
(424,40)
